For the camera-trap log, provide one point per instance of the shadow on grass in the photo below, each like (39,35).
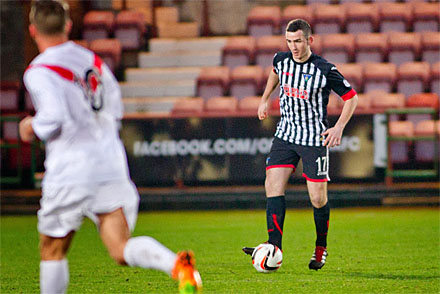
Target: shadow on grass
(392,276)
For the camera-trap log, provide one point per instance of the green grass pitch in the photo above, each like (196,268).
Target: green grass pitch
(371,250)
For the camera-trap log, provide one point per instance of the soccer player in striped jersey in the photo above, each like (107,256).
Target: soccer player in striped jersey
(78,111)
(305,81)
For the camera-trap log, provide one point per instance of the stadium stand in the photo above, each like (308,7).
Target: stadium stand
(371,47)
(162,74)
(338,47)
(435,78)
(353,73)
(412,77)
(166,15)
(398,150)
(10,94)
(98,25)
(110,51)
(382,100)
(426,17)
(264,21)
(189,106)
(292,12)
(329,19)
(249,105)
(83,43)
(266,47)
(246,81)
(129,29)
(379,76)
(213,81)
(395,17)
(221,105)
(239,50)
(364,103)
(424,150)
(404,47)
(431,47)
(361,17)
(317,44)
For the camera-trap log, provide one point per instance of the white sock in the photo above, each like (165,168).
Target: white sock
(54,276)
(146,252)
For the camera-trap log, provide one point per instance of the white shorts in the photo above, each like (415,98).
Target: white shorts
(63,208)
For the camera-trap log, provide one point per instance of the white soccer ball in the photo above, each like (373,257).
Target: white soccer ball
(267,258)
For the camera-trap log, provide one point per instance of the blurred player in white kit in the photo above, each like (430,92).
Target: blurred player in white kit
(78,111)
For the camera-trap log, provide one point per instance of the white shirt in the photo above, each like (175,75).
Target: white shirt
(82,144)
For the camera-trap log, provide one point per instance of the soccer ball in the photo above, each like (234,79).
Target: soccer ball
(267,258)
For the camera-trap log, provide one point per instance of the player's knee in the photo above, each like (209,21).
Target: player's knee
(318,201)
(51,252)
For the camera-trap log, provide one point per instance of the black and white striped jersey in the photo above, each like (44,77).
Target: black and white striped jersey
(304,94)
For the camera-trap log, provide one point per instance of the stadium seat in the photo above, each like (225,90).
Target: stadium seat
(317,44)
(371,47)
(412,77)
(178,30)
(429,100)
(83,43)
(221,105)
(431,47)
(382,100)
(129,29)
(264,21)
(213,81)
(239,50)
(329,19)
(338,47)
(435,78)
(249,104)
(9,131)
(379,76)
(362,17)
(399,149)
(110,51)
(10,95)
(292,12)
(395,17)
(426,17)
(404,47)
(246,81)
(424,151)
(166,15)
(364,102)
(188,106)
(353,73)
(97,25)
(266,48)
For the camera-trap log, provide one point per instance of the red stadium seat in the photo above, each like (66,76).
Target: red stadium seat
(246,81)
(83,43)
(379,76)
(404,47)
(426,17)
(239,50)
(412,77)
(371,47)
(362,17)
(97,25)
(249,104)
(353,73)
(338,47)
(395,17)
(435,78)
(264,21)
(292,12)
(383,100)
(129,29)
(110,51)
(166,15)
(10,95)
(398,149)
(266,48)
(317,44)
(431,47)
(329,19)
(425,150)
(221,105)
(191,106)
(213,81)
(364,102)
(418,100)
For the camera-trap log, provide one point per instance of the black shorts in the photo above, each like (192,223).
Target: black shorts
(315,159)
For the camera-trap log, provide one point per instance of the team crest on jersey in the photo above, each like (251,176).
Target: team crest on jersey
(306,77)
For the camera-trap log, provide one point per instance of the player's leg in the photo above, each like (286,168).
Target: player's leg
(316,172)
(54,270)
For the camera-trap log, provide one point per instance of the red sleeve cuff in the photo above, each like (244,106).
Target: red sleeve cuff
(350,94)
(273,69)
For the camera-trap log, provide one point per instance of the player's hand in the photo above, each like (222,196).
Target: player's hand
(25,129)
(334,136)
(262,110)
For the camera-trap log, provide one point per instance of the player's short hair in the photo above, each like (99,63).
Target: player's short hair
(299,24)
(49,16)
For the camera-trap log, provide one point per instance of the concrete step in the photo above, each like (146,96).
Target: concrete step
(149,104)
(158,88)
(162,74)
(180,58)
(160,45)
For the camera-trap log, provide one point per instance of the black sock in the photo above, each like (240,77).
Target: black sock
(275,212)
(321,216)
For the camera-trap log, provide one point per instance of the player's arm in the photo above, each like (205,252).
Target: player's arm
(272,83)
(25,129)
(334,134)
